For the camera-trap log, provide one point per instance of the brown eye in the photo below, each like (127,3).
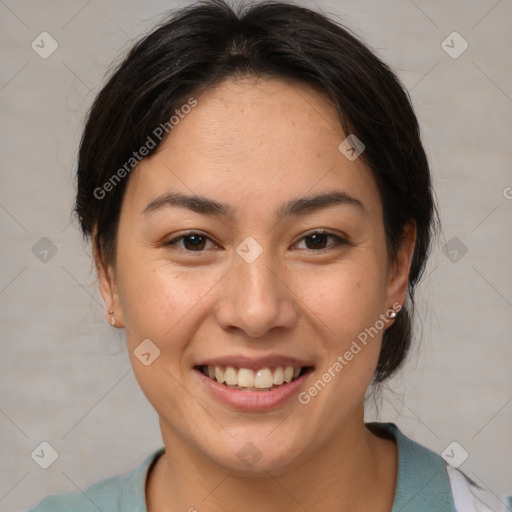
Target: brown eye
(194,242)
(318,240)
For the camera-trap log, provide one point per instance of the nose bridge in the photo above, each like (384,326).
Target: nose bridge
(259,278)
(256,299)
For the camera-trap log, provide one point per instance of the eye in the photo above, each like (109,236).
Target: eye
(197,242)
(317,240)
(192,242)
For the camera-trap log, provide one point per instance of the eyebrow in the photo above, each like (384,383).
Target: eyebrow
(294,207)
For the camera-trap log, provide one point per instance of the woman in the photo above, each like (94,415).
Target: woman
(260,208)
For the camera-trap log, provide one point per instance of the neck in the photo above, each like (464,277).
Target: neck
(354,471)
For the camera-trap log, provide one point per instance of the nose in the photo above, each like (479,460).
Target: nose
(256,298)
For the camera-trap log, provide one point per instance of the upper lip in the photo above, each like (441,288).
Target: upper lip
(253,363)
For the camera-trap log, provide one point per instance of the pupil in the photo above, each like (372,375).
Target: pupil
(197,241)
(319,240)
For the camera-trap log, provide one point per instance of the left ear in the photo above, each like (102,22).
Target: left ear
(108,287)
(398,274)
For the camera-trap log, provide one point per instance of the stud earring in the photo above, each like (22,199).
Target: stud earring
(113,319)
(392,313)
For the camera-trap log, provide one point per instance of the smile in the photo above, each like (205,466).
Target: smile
(253,385)
(247,379)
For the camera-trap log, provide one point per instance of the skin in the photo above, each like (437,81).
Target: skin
(248,143)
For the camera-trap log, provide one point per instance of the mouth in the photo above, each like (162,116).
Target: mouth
(248,379)
(253,385)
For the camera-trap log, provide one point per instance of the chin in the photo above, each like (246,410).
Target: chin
(257,452)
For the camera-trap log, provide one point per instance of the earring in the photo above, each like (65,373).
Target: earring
(392,313)
(113,319)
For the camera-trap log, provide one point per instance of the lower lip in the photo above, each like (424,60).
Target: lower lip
(253,400)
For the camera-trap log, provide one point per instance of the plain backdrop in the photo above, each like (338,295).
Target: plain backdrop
(66,377)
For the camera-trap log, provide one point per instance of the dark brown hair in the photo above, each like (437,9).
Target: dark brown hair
(210,41)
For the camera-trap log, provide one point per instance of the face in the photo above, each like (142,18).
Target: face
(256,282)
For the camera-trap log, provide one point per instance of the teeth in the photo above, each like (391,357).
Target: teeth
(288,374)
(219,374)
(278,376)
(245,378)
(264,378)
(231,376)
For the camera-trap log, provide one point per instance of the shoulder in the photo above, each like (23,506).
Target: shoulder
(468,496)
(103,495)
(114,494)
(426,482)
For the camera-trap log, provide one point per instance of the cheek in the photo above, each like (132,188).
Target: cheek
(156,297)
(346,298)
(346,305)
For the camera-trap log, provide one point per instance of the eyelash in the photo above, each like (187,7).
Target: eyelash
(339,241)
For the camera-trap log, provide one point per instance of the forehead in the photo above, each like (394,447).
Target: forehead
(259,140)
(263,120)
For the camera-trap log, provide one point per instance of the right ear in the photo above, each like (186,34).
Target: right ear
(108,286)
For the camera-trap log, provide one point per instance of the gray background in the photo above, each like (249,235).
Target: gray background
(66,377)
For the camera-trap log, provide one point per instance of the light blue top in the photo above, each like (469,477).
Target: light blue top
(422,483)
